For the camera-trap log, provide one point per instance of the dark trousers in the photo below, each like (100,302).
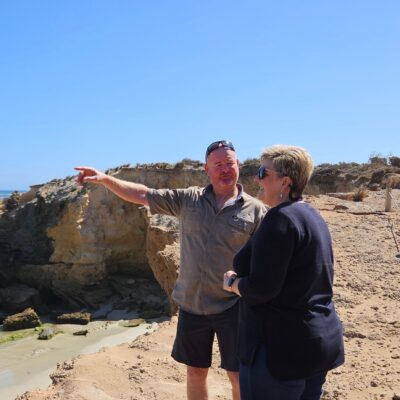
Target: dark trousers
(256,383)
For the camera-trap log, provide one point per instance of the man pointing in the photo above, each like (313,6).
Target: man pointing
(215,222)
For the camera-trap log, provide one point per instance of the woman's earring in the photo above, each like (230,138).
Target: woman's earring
(280,195)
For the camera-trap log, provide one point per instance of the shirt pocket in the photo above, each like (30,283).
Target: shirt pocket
(239,230)
(239,224)
(192,220)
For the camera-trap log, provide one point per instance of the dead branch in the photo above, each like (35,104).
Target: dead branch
(393,234)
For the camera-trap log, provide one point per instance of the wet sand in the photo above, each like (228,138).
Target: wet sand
(27,363)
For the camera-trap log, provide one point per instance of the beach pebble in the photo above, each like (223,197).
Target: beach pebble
(133,323)
(82,332)
(48,333)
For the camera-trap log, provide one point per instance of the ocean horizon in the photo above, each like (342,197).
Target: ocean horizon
(7,193)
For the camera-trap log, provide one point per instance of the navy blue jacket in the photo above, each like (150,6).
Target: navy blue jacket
(286,288)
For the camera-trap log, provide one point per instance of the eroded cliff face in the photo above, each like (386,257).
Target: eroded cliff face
(83,246)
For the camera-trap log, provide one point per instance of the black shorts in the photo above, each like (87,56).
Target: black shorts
(195,337)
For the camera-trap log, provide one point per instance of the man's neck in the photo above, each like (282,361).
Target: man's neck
(222,197)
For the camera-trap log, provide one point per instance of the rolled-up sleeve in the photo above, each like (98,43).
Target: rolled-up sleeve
(165,201)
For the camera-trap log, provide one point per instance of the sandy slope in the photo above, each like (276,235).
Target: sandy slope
(140,370)
(367,293)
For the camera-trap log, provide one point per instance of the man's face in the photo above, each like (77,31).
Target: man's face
(222,168)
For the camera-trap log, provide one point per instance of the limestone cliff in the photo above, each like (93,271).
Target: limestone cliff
(84,246)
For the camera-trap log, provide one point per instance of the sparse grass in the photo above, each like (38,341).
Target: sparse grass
(251,161)
(24,333)
(21,334)
(394,161)
(188,162)
(360,194)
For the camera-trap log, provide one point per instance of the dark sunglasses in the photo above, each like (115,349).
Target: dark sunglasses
(216,145)
(262,172)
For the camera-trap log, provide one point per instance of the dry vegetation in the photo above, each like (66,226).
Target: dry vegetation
(360,193)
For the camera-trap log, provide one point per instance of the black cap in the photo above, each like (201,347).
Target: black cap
(216,145)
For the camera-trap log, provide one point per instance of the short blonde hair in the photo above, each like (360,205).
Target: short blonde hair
(292,161)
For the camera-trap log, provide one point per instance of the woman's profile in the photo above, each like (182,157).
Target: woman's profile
(289,333)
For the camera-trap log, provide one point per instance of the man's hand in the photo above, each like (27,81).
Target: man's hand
(88,174)
(129,191)
(231,282)
(228,279)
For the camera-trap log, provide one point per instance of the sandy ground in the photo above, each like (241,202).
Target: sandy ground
(367,295)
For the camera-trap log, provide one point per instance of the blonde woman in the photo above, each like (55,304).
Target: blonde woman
(289,332)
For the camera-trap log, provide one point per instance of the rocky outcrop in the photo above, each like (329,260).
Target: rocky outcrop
(26,319)
(162,247)
(83,246)
(80,318)
(345,177)
(68,241)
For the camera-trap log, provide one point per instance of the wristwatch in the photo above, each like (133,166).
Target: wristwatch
(231,280)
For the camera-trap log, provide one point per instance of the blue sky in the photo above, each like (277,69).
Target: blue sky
(106,83)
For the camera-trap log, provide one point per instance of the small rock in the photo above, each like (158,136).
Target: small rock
(374,384)
(48,333)
(340,207)
(82,332)
(74,318)
(354,334)
(133,322)
(26,319)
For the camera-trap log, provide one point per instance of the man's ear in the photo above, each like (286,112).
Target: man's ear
(206,168)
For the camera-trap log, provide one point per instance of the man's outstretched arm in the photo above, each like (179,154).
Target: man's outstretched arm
(129,191)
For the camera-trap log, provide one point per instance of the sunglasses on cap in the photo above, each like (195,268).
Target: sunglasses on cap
(262,172)
(216,145)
